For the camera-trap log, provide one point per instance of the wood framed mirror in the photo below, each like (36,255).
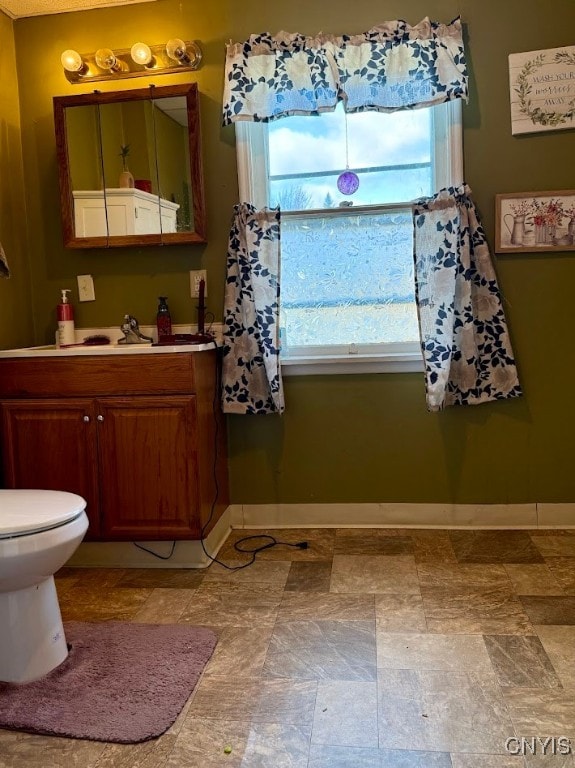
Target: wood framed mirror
(130,167)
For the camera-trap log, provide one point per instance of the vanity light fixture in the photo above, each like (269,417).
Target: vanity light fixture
(141,59)
(142,54)
(73,62)
(107,59)
(177,51)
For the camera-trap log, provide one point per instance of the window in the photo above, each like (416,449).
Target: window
(347,260)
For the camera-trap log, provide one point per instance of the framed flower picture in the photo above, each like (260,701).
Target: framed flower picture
(526,222)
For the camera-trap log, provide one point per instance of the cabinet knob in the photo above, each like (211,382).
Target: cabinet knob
(86,418)
(100,417)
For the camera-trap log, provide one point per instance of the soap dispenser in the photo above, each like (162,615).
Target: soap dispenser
(163,319)
(65,313)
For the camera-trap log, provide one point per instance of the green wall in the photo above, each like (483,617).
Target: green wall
(84,147)
(16,314)
(173,158)
(343,438)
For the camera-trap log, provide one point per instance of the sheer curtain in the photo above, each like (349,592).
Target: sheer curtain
(393,66)
(251,380)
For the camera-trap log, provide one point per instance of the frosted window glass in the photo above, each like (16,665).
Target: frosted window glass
(348,279)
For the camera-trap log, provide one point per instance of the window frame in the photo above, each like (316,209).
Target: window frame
(253,173)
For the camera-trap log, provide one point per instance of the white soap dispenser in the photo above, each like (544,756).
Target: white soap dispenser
(66,335)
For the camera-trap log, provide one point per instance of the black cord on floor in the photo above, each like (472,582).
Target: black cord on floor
(272,541)
(160,557)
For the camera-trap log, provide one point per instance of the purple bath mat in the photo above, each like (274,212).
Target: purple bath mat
(121,682)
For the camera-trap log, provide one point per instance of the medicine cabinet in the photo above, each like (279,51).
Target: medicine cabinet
(130,167)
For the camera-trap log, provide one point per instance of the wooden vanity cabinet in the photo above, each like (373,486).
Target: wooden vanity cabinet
(140,437)
(162,498)
(51,444)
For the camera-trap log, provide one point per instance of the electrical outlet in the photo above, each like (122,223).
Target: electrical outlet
(86,288)
(195,276)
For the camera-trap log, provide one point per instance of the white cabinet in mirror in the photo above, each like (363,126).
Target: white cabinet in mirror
(122,212)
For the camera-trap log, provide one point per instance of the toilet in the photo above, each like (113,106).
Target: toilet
(39,532)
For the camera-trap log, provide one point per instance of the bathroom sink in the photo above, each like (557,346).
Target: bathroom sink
(112,347)
(79,348)
(51,350)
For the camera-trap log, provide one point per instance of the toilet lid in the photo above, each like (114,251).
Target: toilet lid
(26,512)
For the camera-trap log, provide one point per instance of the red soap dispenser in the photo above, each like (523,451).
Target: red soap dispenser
(163,319)
(65,313)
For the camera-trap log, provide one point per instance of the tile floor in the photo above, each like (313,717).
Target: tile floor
(369,649)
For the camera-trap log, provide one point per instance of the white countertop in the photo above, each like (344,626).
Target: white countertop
(51,350)
(107,349)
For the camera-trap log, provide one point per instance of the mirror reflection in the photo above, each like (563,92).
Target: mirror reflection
(131,170)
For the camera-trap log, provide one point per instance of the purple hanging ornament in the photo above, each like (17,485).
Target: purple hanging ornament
(348,182)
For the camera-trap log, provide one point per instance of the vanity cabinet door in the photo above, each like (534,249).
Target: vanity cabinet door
(51,445)
(147,449)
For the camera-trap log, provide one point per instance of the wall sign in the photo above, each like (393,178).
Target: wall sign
(527,222)
(542,86)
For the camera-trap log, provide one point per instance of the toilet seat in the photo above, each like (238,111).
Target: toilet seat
(25,512)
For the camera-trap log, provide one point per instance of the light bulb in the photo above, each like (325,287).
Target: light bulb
(72,61)
(176,50)
(141,53)
(106,59)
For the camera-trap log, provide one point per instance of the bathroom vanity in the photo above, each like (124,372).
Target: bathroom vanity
(140,436)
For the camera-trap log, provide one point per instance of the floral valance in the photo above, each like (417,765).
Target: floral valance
(392,66)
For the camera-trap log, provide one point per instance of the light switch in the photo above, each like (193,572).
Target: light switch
(86,288)
(195,276)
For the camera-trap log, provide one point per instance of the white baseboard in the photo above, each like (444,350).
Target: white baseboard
(403,515)
(190,554)
(124,554)
(555,515)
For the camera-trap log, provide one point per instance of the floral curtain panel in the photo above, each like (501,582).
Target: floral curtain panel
(251,379)
(4,269)
(392,66)
(466,347)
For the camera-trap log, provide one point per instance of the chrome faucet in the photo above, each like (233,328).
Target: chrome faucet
(131,330)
